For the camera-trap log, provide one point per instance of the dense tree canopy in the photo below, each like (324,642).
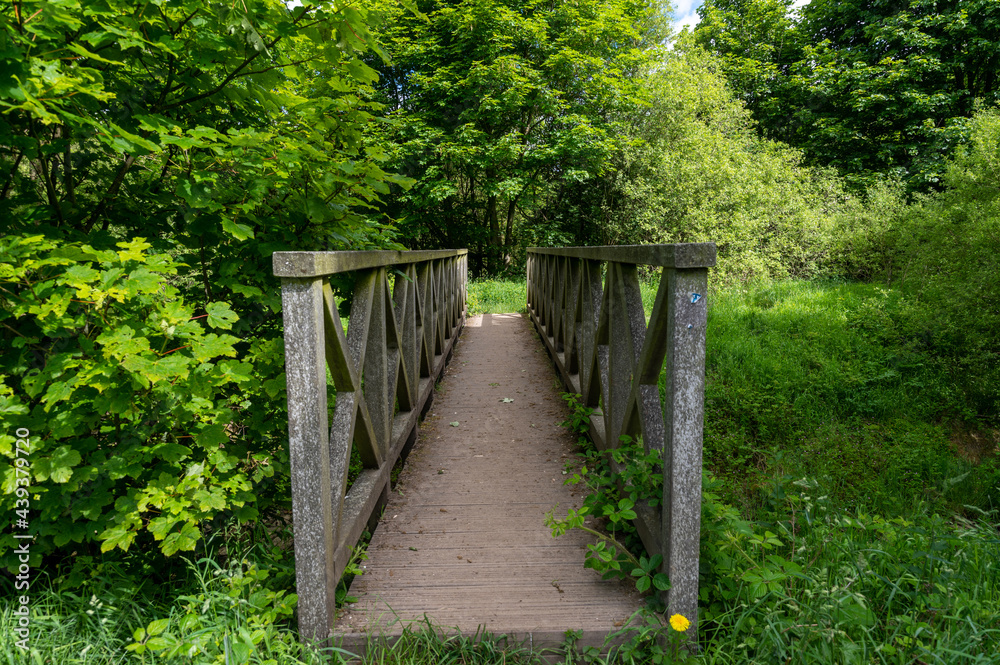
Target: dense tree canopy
(868,87)
(694,170)
(216,120)
(757,40)
(504,112)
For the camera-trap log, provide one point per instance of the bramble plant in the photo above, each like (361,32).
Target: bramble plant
(612,498)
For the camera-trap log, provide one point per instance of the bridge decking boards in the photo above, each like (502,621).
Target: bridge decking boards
(463,538)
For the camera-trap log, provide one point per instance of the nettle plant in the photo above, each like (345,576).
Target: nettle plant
(611,499)
(129,394)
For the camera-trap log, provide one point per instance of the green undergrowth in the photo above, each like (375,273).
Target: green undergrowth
(809,580)
(488,296)
(814,582)
(850,504)
(233,602)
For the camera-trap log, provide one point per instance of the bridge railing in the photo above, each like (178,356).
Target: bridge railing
(587,307)
(398,340)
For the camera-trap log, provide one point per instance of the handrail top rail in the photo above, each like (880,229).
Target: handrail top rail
(304,265)
(677,255)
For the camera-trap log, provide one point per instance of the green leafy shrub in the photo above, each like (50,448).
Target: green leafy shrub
(940,255)
(128,393)
(234,615)
(695,170)
(608,507)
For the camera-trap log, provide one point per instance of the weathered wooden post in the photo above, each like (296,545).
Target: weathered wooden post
(309,453)
(598,337)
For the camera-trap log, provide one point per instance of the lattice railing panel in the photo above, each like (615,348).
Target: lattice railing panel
(587,306)
(383,368)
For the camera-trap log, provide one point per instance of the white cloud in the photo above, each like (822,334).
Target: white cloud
(688,20)
(685,13)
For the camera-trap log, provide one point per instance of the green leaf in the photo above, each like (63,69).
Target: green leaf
(160,526)
(79,275)
(143,280)
(135,143)
(238,231)
(172,452)
(241,651)
(133,250)
(220,315)
(181,541)
(211,436)
(119,537)
(75,47)
(212,346)
(158,626)
(168,368)
(210,501)
(59,464)
(161,642)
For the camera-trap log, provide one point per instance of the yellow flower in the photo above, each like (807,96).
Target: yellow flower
(679,623)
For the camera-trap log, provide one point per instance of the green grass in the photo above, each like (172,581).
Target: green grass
(216,608)
(496,297)
(829,380)
(426,643)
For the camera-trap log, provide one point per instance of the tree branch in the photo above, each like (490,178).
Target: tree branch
(109,195)
(232,75)
(68,168)
(42,170)
(10,177)
(283,64)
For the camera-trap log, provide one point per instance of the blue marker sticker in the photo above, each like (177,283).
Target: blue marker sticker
(690,326)
(695,297)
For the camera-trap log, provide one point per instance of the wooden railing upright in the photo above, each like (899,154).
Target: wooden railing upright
(397,343)
(601,345)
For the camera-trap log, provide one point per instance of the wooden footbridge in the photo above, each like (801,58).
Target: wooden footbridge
(460,538)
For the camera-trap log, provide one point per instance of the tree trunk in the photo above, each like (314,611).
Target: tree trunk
(495,240)
(508,240)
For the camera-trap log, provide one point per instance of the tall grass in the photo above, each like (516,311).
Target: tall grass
(235,609)
(426,643)
(814,583)
(91,626)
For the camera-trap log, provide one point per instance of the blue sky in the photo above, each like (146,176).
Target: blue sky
(685,11)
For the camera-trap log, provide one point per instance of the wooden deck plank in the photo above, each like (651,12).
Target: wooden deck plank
(463,539)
